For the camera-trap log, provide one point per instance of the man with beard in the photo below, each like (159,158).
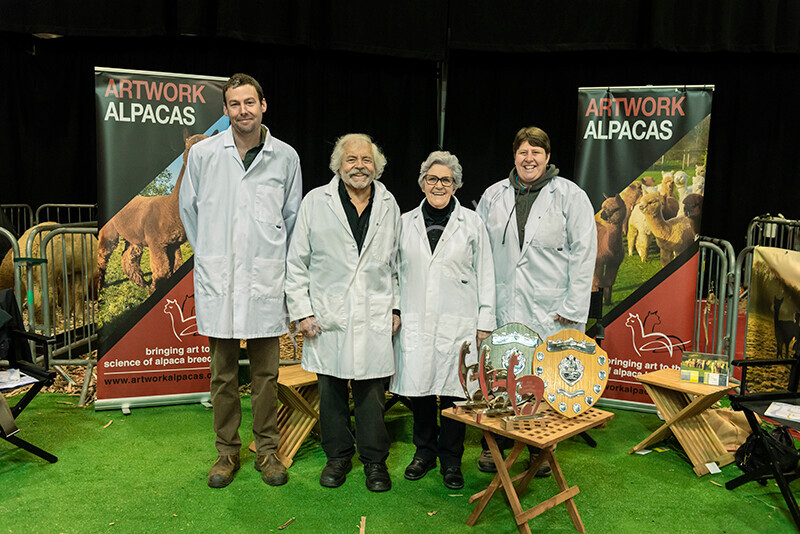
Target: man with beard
(341,287)
(238,203)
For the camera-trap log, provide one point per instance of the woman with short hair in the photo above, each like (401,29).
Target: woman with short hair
(447,297)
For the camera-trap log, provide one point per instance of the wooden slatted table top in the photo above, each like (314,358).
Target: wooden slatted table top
(548,430)
(671,378)
(295,376)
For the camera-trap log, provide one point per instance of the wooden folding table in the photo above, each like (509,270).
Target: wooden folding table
(298,413)
(544,433)
(683,405)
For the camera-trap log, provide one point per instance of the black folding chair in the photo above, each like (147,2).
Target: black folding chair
(752,403)
(15,353)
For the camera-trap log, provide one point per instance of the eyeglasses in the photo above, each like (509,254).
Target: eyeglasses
(431,179)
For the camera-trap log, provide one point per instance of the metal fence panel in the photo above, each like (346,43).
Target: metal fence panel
(62,293)
(66,213)
(19,215)
(715,299)
(764,231)
(9,272)
(774,232)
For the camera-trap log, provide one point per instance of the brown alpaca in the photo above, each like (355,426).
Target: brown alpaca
(630,195)
(58,280)
(151,222)
(610,250)
(693,208)
(674,235)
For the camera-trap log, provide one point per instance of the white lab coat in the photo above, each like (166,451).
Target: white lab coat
(445,297)
(552,273)
(238,223)
(351,295)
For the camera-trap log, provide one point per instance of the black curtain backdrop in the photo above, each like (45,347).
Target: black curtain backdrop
(333,67)
(426,29)
(411,28)
(312,98)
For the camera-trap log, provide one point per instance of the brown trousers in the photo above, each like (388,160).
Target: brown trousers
(264,355)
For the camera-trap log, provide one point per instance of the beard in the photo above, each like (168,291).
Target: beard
(358,182)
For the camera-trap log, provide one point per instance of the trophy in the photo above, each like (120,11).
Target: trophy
(506,383)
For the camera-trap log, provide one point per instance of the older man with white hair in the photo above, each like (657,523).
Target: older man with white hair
(341,288)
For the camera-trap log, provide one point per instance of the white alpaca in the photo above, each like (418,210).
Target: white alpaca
(681,187)
(639,233)
(666,189)
(699,180)
(667,181)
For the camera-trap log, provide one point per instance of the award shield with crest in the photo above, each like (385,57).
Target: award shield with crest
(574,369)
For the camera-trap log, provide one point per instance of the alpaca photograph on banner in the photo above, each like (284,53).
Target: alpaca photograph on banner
(653,219)
(773,316)
(149,221)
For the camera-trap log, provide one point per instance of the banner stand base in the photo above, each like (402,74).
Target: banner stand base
(125,404)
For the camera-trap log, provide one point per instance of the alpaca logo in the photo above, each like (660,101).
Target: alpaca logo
(181,326)
(654,341)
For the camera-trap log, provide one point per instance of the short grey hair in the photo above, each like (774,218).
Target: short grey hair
(442,158)
(338,153)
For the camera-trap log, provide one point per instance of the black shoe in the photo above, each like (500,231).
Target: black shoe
(452,477)
(544,470)
(377,477)
(486,463)
(418,468)
(335,473)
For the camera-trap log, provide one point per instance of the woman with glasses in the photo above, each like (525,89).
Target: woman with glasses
(446,298)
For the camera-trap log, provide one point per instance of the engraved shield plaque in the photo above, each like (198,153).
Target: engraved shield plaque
(574,369)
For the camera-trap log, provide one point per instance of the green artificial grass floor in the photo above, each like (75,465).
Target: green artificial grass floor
(146,472)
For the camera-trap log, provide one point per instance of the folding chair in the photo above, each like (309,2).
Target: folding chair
(757,403)
(15,353)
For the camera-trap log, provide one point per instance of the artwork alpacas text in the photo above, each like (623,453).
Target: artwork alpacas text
(638,130)
(144,90)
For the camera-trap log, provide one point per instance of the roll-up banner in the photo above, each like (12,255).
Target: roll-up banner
(641,157)
(149,350)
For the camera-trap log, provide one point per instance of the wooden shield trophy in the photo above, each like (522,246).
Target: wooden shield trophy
(574,369)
